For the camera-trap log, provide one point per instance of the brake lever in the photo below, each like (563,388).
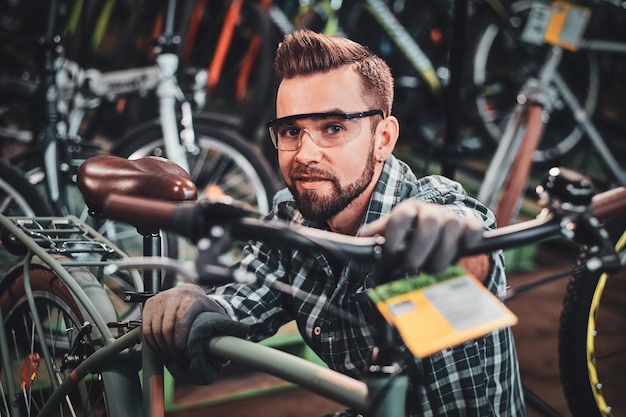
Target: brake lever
(590,232)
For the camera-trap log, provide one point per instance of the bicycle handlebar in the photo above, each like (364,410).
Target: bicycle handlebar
(200,219)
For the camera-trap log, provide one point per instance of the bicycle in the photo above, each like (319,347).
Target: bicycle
(219,159)
(552,113)
(94,347)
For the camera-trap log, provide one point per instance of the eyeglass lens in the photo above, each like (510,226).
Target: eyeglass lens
(326,132)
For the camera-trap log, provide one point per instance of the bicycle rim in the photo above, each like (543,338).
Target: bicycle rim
(500,66)
(225,164)
(32,379)
(592,343)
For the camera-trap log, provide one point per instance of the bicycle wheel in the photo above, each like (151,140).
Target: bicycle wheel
(226,164)
(33,378)
(17,196)
(500,65)
(592,341)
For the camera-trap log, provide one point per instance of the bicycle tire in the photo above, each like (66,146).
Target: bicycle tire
(592,340)
(226,164)
(18,197)
(61,318)
(501,63)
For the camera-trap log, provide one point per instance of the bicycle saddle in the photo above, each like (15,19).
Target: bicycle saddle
(150,177)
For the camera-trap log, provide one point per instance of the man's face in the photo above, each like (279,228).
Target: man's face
(325,180)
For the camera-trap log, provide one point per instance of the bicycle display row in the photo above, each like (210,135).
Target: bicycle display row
(520,91)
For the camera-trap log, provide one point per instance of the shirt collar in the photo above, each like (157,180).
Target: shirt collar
(390,189)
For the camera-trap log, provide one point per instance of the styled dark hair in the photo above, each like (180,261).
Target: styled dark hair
(304,52)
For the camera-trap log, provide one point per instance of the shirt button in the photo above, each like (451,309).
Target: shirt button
(317,331)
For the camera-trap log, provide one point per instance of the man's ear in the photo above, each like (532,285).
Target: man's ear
(387,134)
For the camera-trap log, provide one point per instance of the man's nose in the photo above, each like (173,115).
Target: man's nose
(308,149)
(306,133)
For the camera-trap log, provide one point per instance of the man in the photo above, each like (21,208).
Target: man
(334,134)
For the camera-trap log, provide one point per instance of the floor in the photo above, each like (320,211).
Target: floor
(536,336)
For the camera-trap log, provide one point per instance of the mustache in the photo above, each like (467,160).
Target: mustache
(303,170)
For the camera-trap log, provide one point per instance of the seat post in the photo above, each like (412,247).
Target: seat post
(151,247)
(150,177)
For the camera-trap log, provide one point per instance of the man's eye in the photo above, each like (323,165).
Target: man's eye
(289,132)
(333,129)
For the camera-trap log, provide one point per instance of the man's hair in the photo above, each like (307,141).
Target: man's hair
(305,52)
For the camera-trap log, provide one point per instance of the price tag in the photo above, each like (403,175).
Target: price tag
(567,25)
(560,23)
(537,23)
(433,313)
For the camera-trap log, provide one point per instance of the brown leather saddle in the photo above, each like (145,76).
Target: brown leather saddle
(149,177)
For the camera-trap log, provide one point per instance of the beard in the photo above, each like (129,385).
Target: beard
(323,207)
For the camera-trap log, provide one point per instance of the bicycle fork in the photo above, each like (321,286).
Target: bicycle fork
(169,93)
(177,146)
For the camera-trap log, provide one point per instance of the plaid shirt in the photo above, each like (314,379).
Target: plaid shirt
(334,315)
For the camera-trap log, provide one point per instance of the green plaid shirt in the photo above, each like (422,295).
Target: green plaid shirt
(334,315)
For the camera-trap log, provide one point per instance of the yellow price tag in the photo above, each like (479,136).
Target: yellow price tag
(446,313)
(567,25)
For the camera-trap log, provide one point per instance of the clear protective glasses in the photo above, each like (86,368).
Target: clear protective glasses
(325,129)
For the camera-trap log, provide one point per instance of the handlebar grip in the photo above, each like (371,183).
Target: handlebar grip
(609,203)
(190,219)
(140,212)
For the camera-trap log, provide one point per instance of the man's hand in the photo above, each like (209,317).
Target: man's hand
(167,318)
(431,234)
(178,322)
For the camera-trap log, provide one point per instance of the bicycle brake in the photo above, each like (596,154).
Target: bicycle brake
(568,194)
(80,349)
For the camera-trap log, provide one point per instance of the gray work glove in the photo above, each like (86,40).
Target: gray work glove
(431,234)
(178,322)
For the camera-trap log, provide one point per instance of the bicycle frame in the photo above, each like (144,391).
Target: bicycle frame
(608,204)
(70,90)
(92,86)
(524,129)
(121,381)
(115,358)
